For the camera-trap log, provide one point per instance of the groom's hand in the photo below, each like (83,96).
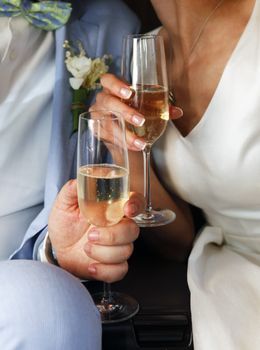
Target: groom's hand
(87,251)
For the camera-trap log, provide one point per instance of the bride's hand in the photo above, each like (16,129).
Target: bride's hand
(112,97)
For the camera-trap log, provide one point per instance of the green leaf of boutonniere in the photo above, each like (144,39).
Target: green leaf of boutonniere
(79,98)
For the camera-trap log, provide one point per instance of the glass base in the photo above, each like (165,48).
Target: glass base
(119,307)
(155,218)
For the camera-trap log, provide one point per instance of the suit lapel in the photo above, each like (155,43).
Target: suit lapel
(58,161)
(63,144)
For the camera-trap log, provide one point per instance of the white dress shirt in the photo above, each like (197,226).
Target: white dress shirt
(27,70)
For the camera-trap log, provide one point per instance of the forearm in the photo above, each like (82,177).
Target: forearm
(173,240)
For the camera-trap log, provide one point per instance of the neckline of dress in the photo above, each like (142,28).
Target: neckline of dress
(194,131)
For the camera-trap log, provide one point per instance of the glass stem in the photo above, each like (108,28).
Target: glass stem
(147,179)
(106,299)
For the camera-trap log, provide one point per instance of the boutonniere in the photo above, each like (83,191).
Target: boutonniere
(86,73)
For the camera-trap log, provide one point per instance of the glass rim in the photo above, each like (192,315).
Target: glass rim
(115,115)
(143,36)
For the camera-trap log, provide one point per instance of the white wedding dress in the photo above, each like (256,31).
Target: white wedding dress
(216,167)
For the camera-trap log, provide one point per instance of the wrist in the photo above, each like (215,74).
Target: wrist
(47,253)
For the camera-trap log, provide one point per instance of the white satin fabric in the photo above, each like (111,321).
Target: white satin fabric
(27,71)
(216,167)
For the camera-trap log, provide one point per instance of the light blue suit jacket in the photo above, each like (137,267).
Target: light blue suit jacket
(99,25)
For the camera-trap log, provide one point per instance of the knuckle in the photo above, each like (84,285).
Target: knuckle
(101,96)
(111,237)
(105,78)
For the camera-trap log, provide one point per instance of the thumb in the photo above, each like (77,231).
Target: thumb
(67,198)
(134,205)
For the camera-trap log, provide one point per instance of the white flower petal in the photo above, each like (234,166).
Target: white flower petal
(78,66)
(76,83)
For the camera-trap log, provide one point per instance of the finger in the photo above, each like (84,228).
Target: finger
(110,102)
(125,232)
(105,101)
(108,273)
(116,86)
(175,112)
(67,198)
(135,204)
(119,88)
(133,142)
(109,254)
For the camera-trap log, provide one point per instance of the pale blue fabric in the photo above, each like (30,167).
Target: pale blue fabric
(28,54)
(42,307)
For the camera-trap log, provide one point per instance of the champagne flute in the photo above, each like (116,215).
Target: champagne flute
(144,68)
(103,189)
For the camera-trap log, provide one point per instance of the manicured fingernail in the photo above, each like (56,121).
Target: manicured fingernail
(125,93)
(175,112)
(133,209)
(93,235)
(137,120)
(92,269)
(139,144)
(180,111)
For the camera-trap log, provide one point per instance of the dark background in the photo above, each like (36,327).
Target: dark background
(145,12)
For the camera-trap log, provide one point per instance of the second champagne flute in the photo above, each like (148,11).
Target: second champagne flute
(144,68)
(103,189)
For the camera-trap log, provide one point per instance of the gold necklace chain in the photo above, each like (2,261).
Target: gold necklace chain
(172,97)
(202,28)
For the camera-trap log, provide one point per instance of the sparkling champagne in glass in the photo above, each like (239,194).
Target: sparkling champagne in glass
(103,189)
(144,68)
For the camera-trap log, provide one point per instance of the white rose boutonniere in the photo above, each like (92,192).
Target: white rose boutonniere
(86,73)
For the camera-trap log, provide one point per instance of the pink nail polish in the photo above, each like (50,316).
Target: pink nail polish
(125,93)
(137,120)
(139,144)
